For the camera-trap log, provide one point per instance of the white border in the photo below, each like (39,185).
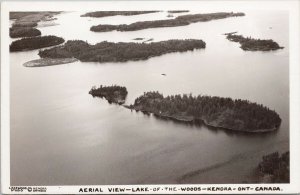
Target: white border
(291,5)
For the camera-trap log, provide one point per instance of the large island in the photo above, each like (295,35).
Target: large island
(238,115)
(119,52)
(178,21)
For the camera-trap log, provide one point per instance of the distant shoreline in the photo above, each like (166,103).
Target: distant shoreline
(182,20)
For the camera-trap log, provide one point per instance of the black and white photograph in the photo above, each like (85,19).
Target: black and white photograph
(181,94)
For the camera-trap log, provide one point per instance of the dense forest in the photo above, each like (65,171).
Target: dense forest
(35,43)
(215,111)
(177,11)
(16,32)
(276,167)
(178,21)
(119,52)
(113,94)
(250,44)
(99,14)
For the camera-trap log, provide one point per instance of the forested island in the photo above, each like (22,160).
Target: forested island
(119,52)
(250,44)
(26,21)
(113,94)
(178,21)
(17,32)
(100,14)
(32,43)
(275,168)
(238,115)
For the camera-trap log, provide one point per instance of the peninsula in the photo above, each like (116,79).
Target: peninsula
(178,21)
(32,43)
(238,115)
(113,94)
(100,14)
(250,44)
(119,52)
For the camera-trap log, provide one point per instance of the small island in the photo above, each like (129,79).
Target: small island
(32,43)
(17,32)
(113,94)
(225,113)
(275,168)
(250,44)
(178,21)
(100,14)
(119,52)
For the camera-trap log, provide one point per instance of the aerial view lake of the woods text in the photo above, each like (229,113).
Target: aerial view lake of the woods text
(171,96)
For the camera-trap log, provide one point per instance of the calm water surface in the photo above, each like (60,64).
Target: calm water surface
(62,135)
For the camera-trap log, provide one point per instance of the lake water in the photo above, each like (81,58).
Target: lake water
(62,135)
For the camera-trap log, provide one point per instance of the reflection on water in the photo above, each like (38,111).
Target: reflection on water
(62,135)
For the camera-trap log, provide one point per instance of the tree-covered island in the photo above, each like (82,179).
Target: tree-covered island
(32,43)
(238,115)
(119,52)
(100,14)
(178,21)
(251,44)
(17,32)
(113,94)
(275,168)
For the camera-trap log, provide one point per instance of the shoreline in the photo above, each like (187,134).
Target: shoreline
(197,120)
